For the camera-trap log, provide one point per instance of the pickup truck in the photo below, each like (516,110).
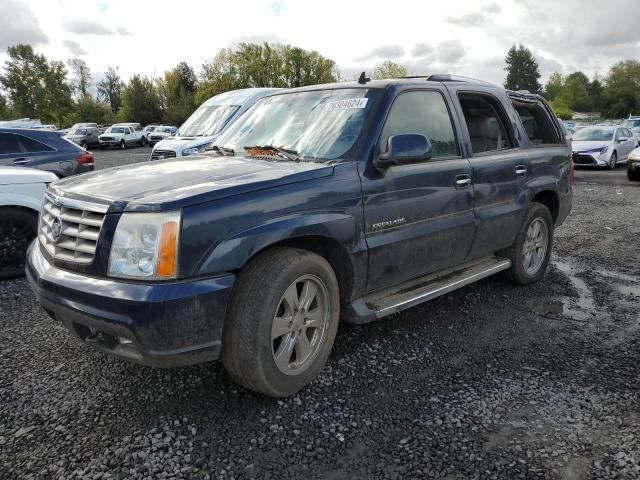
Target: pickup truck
(122,135)
(342,202)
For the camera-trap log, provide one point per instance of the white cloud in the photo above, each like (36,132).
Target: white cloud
(22,27)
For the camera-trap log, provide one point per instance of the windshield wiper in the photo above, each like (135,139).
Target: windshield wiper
(269,150)
(224,151)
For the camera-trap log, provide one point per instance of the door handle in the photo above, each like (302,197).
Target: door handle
(21,161)
(521,171)
(463,181)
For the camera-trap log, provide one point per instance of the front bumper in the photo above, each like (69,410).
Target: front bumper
(110,143)
(589,159)
(161,325)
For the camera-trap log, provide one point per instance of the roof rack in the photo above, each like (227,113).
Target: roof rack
(448,77)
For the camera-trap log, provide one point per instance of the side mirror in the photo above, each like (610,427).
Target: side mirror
(405,148)
(622,139)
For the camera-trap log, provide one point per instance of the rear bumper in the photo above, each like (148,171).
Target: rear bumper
(160,325)
(564,208)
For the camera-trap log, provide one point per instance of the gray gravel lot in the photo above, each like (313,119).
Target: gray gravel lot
(491,381)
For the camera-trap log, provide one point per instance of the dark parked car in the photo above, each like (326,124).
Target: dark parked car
(43,149)
(84,136)
(349,201)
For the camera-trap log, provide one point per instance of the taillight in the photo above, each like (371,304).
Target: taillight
(572,175)
(85,158)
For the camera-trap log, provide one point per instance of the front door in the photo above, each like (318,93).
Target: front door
(418,217)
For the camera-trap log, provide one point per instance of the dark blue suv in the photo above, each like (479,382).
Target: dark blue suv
(44,150)
(346,202)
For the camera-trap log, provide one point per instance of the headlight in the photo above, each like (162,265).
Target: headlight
(603,150)
(194,150)
(145,245)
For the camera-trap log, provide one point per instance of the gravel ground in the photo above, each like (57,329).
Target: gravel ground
(491,381)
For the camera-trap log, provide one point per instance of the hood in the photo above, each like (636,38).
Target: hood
(173,183)
(584,145)
(74,137)
(177,144)
(15,175)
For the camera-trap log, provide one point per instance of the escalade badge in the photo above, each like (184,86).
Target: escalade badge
(56,229)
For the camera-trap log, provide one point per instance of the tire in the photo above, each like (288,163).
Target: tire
(519,273)
(102,147)
(84,145)
(249,349)
(142,141)
(18,228)
(633,175)
(613,161)
(123,145)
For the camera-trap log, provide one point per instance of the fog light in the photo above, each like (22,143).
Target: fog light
(124,341)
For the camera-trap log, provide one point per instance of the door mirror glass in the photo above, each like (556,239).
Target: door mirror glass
(405,148)
(622,139)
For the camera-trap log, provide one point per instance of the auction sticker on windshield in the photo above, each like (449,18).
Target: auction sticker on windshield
(346,104)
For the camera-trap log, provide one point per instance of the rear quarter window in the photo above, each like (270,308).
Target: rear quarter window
(538,125)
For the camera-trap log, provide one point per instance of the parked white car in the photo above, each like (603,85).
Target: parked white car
(602,145)
(204,125)
(21,193)
(160,132)
(122,135)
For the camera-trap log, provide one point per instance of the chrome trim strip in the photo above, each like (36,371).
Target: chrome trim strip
(76,204)
(444,289)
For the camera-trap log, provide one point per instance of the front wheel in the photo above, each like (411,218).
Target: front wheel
(123,144)
(633,175)
(613,161)
(17,229)
(282,321)
(531,251)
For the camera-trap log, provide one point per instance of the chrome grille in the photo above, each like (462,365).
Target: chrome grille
(106,139)
(162,153)
(69,233)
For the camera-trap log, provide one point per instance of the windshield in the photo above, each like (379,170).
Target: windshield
(79,131)
(631,124)
(116,130)
(207,120)
(594,134)
(149,129)
(163,130)
(317,125)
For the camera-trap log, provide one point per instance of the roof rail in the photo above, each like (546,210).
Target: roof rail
(448,77)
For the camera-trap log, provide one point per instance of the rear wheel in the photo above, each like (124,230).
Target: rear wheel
(17,230)
(633,175)
(143,141)
(531,251)
(282,321)
(613,161)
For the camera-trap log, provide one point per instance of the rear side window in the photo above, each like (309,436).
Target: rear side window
(425,113)
(29,145)
(486,123)
(537,123)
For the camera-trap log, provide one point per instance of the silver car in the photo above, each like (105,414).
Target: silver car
(602,145)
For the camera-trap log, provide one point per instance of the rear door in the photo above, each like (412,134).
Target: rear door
(418,217)
(21,150)
(500,168)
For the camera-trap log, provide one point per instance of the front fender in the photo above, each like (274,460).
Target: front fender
(26,201)
(233,253)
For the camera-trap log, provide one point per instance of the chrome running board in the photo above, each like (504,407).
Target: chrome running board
(416,291)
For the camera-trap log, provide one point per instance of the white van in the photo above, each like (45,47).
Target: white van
(210,119)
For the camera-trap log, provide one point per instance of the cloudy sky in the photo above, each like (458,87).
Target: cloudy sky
(462,36)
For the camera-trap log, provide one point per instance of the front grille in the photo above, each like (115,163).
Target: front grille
(69,234)
(162,153)
(583,159)
(156,137)
(106,139)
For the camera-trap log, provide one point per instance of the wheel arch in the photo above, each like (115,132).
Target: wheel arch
(550,199)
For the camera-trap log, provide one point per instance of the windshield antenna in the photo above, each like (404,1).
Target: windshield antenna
(363,78)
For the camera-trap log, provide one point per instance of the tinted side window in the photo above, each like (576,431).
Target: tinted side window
(9,143)
(486,123)
(424,113)
(537,123)
(32,146)
(619,134)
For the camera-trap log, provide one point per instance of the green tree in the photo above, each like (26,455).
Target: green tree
(218,75)
(596,93)
(110,89)
(622,89)
(561,109)
(140,101)
(36,87)
(575,92)
(88,109)
(5,109)
(177,91)
(389,69)
(522,70)
(554,86)
(81,76)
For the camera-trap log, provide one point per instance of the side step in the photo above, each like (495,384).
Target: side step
(418,290)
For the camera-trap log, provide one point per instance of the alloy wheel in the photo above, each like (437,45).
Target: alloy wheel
(534,249)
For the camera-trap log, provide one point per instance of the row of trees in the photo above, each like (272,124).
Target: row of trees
(62,94)
(617,95)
